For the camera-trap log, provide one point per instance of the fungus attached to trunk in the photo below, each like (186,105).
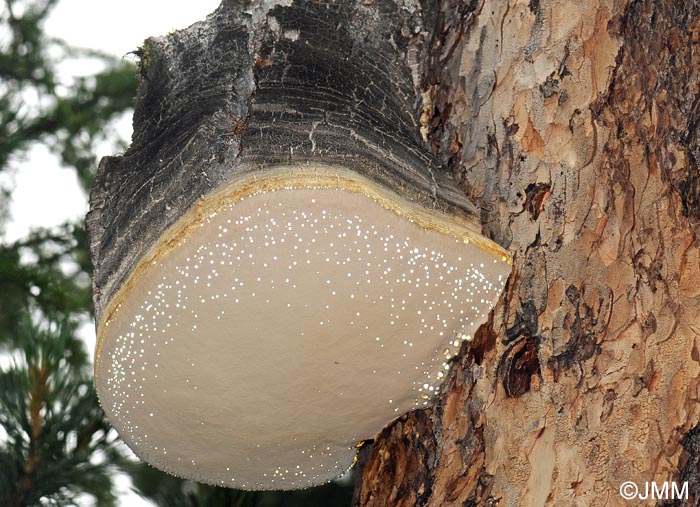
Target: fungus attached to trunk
(280,268)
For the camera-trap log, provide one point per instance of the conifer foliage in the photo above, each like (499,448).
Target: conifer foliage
(56,447)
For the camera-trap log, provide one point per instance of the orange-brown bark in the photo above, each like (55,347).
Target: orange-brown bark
(574,127)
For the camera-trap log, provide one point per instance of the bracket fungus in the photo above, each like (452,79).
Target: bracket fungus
(280,267)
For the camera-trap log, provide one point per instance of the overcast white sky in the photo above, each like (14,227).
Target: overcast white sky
(47,195)
(120,27)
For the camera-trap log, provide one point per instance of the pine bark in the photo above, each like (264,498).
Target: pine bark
(574,128)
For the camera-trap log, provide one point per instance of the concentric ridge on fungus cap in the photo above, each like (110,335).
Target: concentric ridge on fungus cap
(284,320)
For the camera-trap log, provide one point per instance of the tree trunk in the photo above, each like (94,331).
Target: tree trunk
(574,127)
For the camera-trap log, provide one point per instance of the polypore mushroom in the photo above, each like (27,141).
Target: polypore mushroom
(257,322)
